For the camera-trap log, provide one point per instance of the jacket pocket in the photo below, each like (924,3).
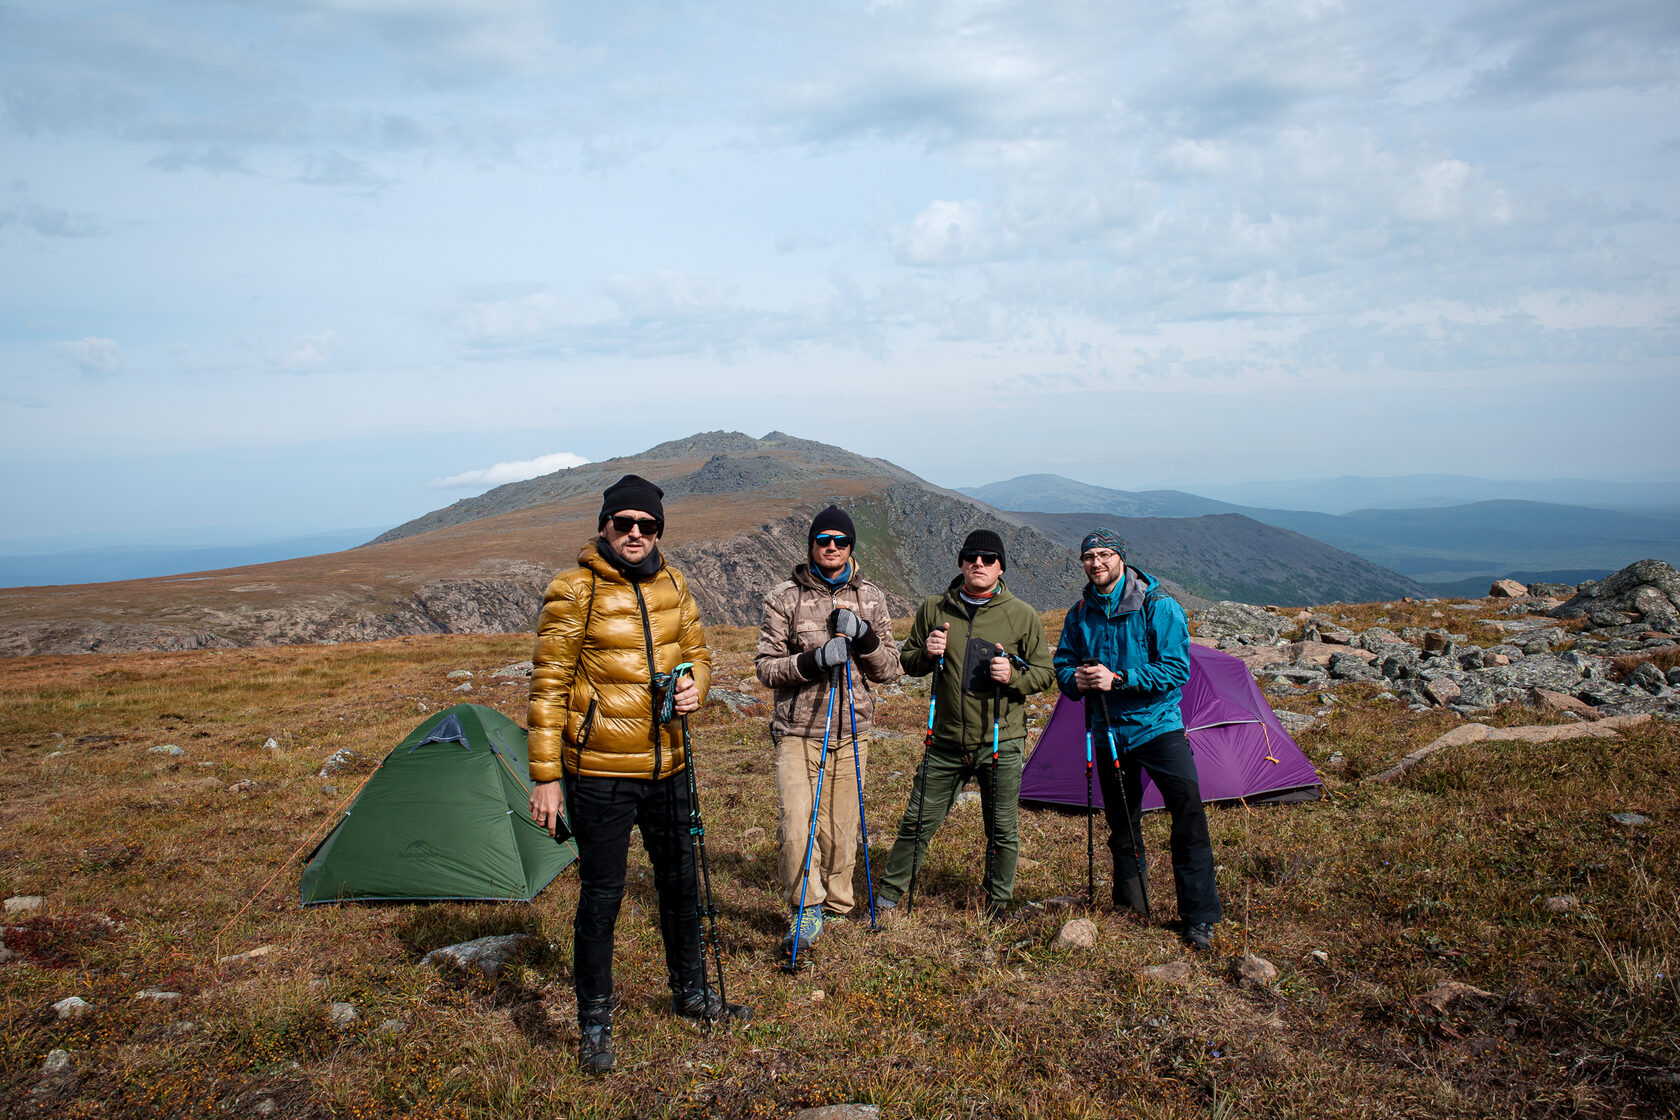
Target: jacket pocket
(586,724)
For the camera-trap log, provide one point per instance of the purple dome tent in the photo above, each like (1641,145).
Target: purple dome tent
(1242,751)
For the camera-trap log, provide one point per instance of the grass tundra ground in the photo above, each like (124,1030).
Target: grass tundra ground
(1496,865)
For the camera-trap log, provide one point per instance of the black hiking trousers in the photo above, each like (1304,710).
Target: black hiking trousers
(1172,768)
(602,812)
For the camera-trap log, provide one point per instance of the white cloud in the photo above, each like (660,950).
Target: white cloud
(95,357)
(310,353)
(503,473)
(945,232)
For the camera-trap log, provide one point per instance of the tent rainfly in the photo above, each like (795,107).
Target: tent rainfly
(1242,752)
(445,816)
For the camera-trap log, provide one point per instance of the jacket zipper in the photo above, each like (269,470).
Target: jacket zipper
(653,698)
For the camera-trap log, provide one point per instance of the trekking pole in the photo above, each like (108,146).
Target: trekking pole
(921,783)
(811,836)
(991,817)
(705,909)
(857,771)
(1090,812)
(1133,832)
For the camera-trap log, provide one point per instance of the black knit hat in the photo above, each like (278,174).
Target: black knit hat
(632,492)
(984,540)
(831,520)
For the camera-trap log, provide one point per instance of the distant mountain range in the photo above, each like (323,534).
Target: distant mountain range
(1229,556)
(1451,546)
(1657,493)
(738,509)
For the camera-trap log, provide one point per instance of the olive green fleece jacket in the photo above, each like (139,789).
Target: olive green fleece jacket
(963,720)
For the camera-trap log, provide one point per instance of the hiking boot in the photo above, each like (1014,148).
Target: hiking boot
(706,1006)
(595,1048)
(1128,895)
(804,929)
(1199,936)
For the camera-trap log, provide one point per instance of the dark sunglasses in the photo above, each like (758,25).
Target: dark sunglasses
(648,525)
(838,540)
(986,558)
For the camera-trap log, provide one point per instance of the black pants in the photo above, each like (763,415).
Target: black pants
(602,812)
(1173,770)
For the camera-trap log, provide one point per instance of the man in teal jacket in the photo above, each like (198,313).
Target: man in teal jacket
(988,652)
(1125,650)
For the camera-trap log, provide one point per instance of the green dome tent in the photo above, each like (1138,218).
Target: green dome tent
(445,816)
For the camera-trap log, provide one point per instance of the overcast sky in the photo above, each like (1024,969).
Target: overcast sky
(311,264)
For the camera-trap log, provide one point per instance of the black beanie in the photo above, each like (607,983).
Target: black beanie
(984,540)
(632,492)
(831,520)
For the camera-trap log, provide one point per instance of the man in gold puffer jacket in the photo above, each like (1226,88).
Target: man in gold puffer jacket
(607,628)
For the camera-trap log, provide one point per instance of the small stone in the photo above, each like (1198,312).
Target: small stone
(459,675)
(1173,972)
(1022,863)
(392,1026)
(839,1112)
(465,686)
(1326,699)
(1444,994)
(487,954)
(1630,820)
(265,1106)
(58,1061)
(753,833)
(1079,933)
(1648,677)
(169,749)
(158,996)
(337,761)
(1442,690)
(966,797)
(271,744)
(341,1014)
(1257,971)
(1320,956)
(72,1008)
(517,669)
(818,995)
(1336,761)
(1507,589)
(23,903)
(6,954)
(247,955)
(1563,903)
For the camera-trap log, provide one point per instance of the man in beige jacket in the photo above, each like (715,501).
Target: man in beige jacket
(816,621)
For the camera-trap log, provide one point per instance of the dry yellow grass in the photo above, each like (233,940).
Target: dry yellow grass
(143,858)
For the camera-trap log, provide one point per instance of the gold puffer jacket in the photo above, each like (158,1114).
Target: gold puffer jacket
(600,652)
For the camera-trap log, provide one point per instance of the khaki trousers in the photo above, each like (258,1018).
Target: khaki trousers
(834,855)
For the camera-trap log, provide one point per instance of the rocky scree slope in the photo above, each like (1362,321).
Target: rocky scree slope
(1522,655)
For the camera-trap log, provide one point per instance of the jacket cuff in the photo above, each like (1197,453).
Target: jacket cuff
(806,665)
(868,643)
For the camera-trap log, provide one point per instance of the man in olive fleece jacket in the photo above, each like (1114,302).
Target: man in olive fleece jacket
(988,653)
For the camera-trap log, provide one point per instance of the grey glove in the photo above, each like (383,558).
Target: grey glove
(843,620)
(834,653)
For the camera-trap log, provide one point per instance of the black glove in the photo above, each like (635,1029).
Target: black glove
(845,621)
